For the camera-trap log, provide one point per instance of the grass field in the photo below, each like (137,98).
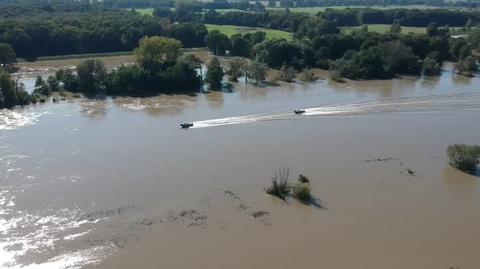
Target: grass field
(383,28)
(230,30)
(145,11)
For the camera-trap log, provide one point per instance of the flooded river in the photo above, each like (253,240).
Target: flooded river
(115,183)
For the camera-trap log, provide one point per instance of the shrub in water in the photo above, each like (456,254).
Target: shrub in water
(280,186)
(464,157)
(302,192)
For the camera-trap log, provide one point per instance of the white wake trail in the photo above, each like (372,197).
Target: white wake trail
(457,102)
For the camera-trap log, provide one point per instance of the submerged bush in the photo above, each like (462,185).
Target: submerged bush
(302,192)
(464,157)
(280,186)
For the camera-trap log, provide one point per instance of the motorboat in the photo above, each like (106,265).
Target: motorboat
(186,125)
(299,111)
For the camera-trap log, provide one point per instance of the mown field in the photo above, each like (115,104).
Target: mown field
(230,30)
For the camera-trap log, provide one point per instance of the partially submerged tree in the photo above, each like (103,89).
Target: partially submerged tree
(214,74)
(41,87)
(91,76)
(7,55)
(287,74)
(257,70)
(236,69)
(466,66)
(431,67)
(12,93)
(464,157)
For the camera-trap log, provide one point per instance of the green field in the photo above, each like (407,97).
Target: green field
(145,11)
(230,30)
(383,28)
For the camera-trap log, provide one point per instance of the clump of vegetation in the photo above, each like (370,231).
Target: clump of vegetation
(302,192)
(464,157)
(280,186)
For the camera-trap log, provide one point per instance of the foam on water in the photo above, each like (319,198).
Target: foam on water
(11,119)
(457,102)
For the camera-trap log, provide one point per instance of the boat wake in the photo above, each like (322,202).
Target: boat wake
(456,102)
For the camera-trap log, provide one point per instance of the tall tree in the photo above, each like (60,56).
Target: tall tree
(154,52)
(91,76)
(7,55)
(258,71)
(214,74)
(217,42)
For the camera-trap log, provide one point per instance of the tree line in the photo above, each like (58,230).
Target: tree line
(92,31)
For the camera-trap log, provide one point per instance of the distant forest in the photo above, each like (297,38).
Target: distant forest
(225,4)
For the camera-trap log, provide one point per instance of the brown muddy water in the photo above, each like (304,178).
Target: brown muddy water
(116,183)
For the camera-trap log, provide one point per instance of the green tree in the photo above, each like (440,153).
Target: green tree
(240,46)
(258,71)
(53,83)
(466,66)
(67,79)
(91,76)
(11,92)
(236,69)
(41,87)
(395,28)
(459,48)
(217,42)
(154,52)
(214,74)
(431,67)
(7,55)
(194,62)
